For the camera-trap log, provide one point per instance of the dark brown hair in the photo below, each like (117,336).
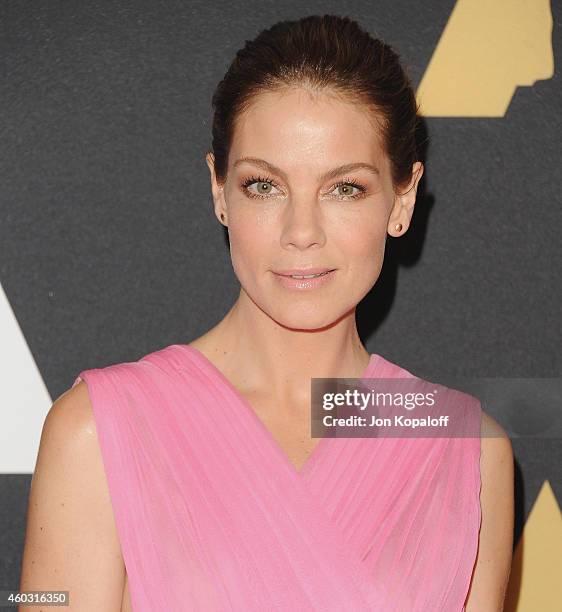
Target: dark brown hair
(329,53)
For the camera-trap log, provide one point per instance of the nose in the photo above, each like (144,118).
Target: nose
(302,224)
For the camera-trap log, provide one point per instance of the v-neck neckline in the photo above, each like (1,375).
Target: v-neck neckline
(256,420)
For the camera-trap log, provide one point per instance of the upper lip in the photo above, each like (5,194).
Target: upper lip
(302,271)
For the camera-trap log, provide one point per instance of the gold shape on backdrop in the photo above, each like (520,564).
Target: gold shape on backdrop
(535,583)
(487,50)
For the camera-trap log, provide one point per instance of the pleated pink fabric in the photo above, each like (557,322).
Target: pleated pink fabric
(213,516)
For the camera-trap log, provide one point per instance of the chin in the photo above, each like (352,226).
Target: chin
(305,318)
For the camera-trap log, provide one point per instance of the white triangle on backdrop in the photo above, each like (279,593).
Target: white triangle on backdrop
(25,398)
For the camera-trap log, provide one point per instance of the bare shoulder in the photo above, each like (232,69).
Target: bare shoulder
(69,433)
(496,462)
(493,562)
(71,542)
(496,456)
(73,409)
(490,427)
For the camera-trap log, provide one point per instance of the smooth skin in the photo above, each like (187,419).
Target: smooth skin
(273,340)
(493,562)
(71,541)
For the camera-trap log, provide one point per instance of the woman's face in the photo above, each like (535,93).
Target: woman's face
(308,186)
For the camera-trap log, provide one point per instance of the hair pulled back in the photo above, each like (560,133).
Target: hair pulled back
(324,53)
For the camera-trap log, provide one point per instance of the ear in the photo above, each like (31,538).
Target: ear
(404,202)
(217,191)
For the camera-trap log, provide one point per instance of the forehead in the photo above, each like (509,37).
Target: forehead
(295,126)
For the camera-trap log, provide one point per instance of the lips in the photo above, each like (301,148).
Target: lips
(307,276)
(300,272)
(305,282)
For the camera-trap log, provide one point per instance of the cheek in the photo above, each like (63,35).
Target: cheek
(363,256)
(251,241)
(363,237)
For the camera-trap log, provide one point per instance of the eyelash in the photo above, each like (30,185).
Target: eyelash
(260,179)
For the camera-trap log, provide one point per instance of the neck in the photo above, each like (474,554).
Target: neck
(261,356)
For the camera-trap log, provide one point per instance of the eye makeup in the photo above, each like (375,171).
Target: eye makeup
(257,179)
(362,189)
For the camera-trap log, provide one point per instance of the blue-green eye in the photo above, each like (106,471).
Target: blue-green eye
(345,190)
(264,187)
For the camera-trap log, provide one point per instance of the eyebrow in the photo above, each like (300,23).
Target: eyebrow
(330,174)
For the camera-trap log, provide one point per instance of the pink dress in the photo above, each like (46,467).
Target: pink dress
(213,516)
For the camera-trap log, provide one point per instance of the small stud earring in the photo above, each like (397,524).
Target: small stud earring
(398,227)
(222,216)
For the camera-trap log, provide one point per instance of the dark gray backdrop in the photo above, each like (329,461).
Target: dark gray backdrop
(109,248)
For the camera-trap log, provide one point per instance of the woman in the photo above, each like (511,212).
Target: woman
(188,480)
